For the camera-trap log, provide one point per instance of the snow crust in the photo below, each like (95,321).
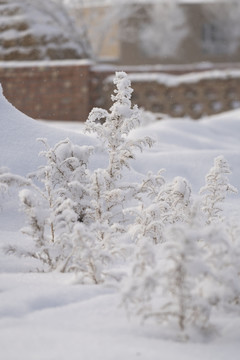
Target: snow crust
(48,316)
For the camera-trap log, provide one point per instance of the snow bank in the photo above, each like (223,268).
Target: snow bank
(187,148)
(18,147)
(53,319)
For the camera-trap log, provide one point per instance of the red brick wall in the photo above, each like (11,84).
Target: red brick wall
(56,91)
(68,90)
(208,96)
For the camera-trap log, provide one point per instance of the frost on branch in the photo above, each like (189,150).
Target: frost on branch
(151,185)
(36,227)
(90,258)
(169,206)
(105,214)
(66,172)
(8,180)
(215,191)
(221,286)
(140,285)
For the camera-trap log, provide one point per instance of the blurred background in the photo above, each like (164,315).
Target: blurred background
(57,57)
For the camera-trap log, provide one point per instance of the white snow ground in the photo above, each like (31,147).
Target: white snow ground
(48,316)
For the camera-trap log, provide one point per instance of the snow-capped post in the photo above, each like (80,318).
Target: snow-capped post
(215,191)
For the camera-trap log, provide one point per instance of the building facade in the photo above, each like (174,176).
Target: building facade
(153,32)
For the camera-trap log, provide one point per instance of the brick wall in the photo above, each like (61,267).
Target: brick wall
(68,90)
(57,90)
(209,91)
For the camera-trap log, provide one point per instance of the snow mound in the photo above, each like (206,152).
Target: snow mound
(19,148)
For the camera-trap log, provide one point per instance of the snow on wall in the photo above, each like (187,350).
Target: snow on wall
(175,80)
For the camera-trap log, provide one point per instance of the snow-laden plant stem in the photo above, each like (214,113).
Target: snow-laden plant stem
(215,190)
(8,180)
(192,269)
(113,127)
(109,193)
(170,202)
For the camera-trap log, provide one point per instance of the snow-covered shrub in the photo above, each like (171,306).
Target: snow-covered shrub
(90,259)
(188,276)
(113,127)
(151,185)
(182,270)
(164,279)
(233,234)
(56,198)
(182,258)
(109,192)
(66,173)
(221,286)
(141,283)
(216,188)
(65,176)
(168,206)
(37,221)
(68,193)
